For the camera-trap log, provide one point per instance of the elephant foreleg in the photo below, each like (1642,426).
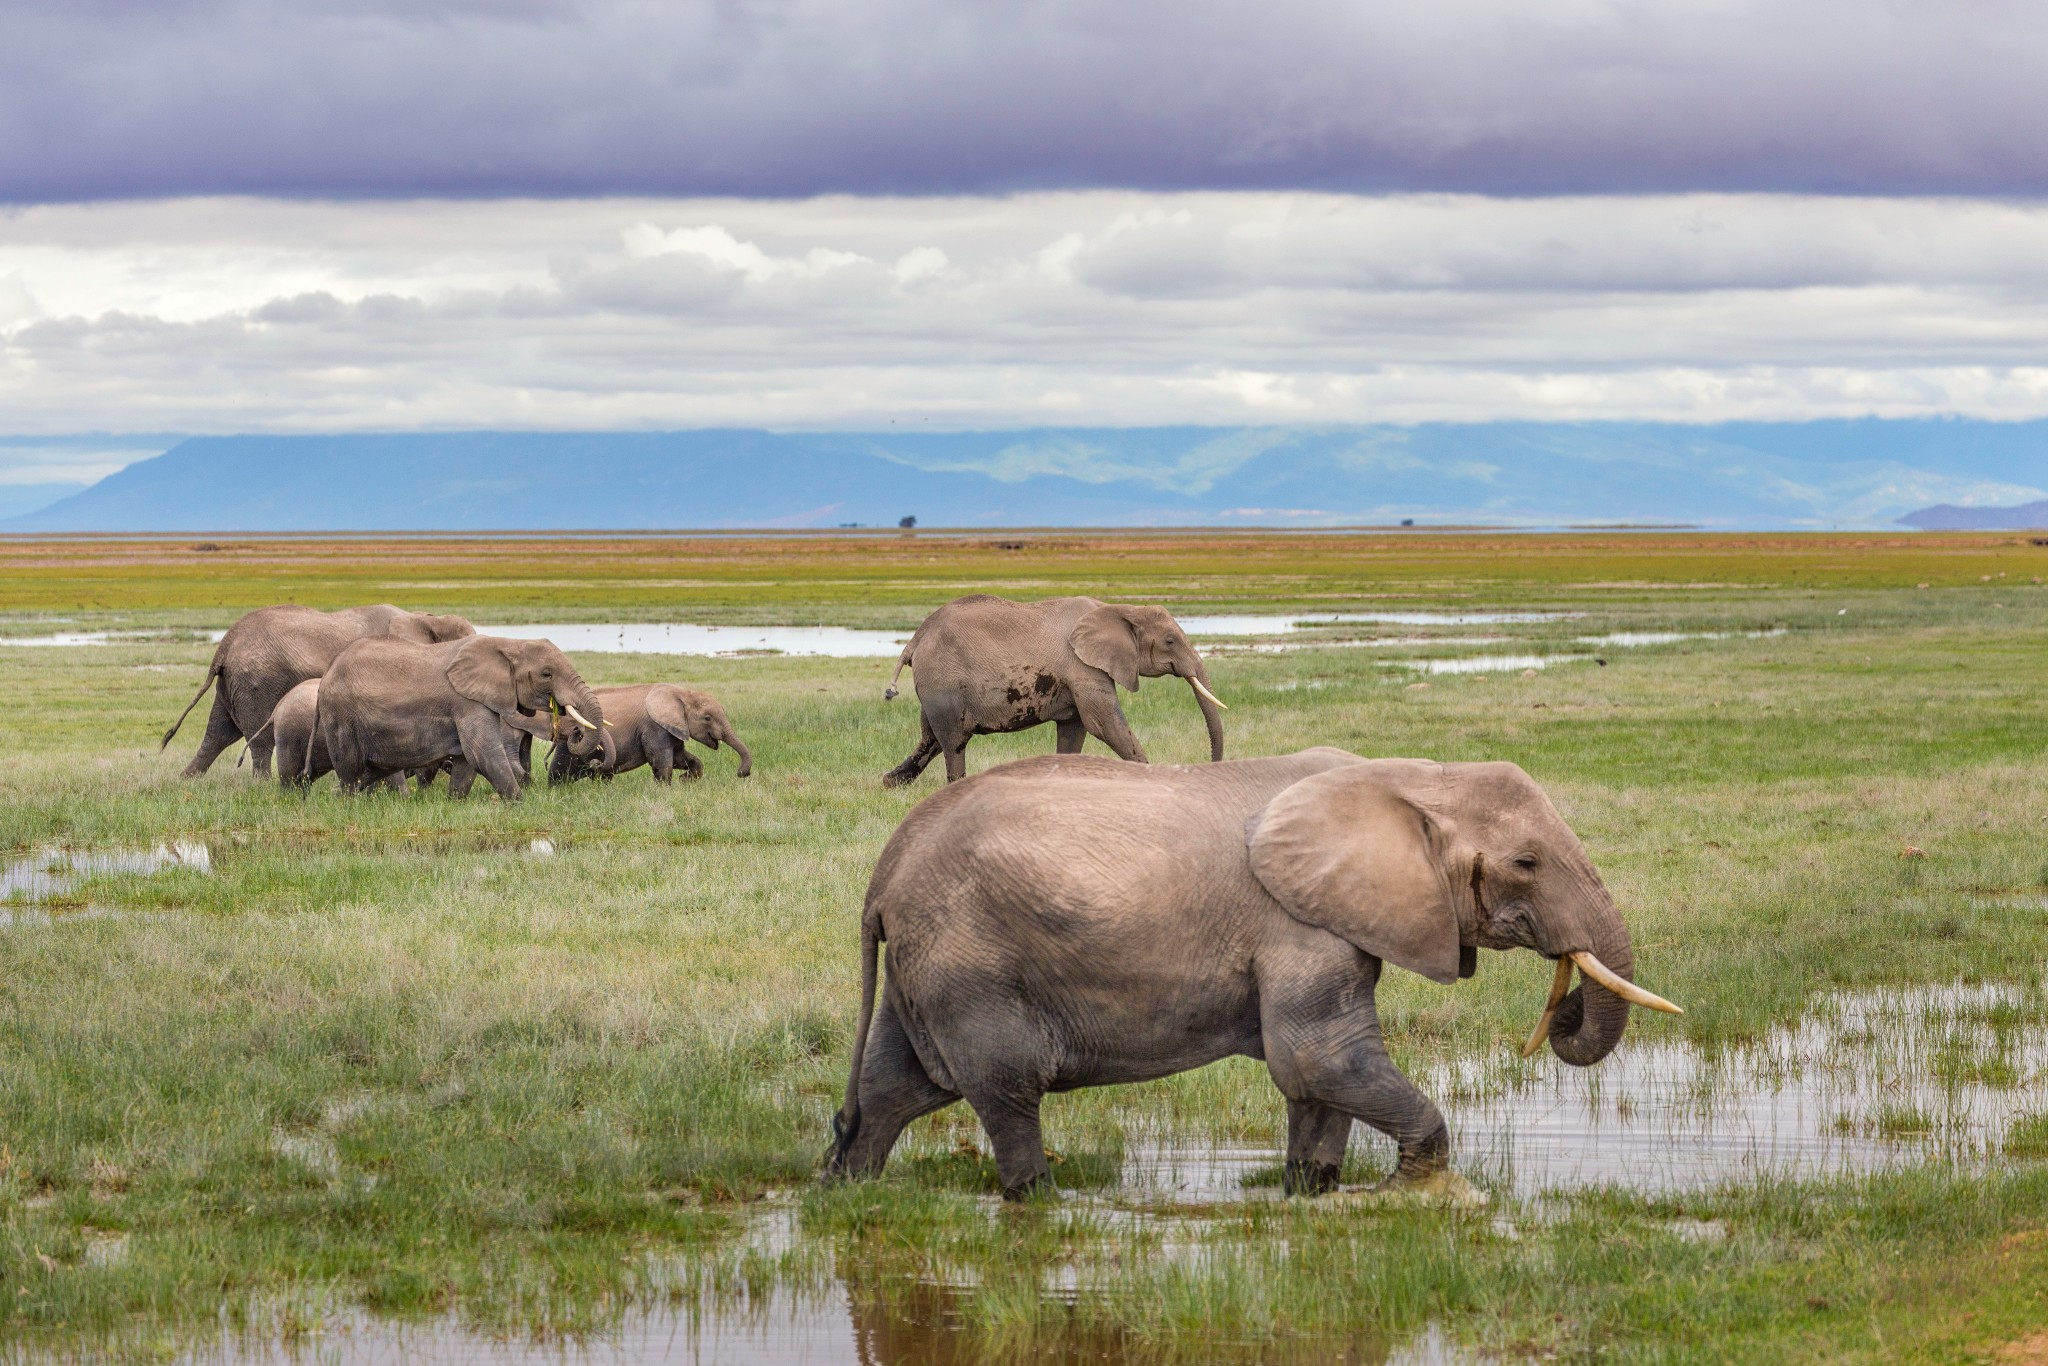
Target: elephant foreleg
(926,751)
(1072,735)
(1104,719)
(221,731)
(483,746)
(894,1090)
(1316,1139)
(662,759)
(461,777)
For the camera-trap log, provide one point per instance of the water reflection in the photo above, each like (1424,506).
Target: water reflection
(54,872)
(1866,1082)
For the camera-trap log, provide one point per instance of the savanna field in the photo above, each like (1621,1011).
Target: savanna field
(333,1075)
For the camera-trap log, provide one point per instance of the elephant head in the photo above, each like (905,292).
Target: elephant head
(1419,864)
(524,681)
(429,628)
(690,715)
(1133,642)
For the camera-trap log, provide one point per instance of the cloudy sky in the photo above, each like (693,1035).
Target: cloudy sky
(310,215)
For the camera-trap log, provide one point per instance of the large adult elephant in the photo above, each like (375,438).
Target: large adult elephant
(272,650)
(302,760)
(1072,921)
(647,724)
(388,706)
(985,665)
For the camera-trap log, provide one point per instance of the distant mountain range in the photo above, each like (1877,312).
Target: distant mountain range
(1737,475)
(1949,517)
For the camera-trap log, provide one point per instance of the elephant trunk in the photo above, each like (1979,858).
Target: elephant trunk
(573,691)
(1212,710)
(746,758)
(1590,1019)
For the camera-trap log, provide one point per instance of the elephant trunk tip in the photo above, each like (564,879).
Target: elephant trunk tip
(888,695)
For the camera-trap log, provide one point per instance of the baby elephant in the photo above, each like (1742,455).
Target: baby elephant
(649,723)
(1073,921)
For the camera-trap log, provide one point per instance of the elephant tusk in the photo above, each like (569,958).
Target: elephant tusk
(1620,986)
(579,718)
(1558,987)
(1199,687)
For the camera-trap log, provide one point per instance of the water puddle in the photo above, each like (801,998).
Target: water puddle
(681,638)
(1633,639)
(50,873)
(1283,625)
(850,642)
(61,638)
(1866,1082)
(1487,664)
(850,1321)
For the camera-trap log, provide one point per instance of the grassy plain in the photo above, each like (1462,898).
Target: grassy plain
(383,1056)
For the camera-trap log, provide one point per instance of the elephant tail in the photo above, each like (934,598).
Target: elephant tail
(846,1124)
(213,671)
(312,740)
(902,663)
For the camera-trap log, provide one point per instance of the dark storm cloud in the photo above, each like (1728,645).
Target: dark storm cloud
(118,98)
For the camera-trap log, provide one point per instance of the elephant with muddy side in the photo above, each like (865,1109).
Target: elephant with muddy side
(388,706)
(984,665)
(272,650)
(648,724)
(1071,921)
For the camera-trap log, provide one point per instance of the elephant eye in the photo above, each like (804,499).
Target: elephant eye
(547,673)
(1526,862)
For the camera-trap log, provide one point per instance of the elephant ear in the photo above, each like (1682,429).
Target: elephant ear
(665,708)
(482,672)
(1345,852)
(1104,640)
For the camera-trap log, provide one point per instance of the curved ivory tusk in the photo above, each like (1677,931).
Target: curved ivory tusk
(1204,691)
(579,718)
(1626,990)
(1559,986)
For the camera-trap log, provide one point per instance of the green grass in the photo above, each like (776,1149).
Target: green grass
(383,1056)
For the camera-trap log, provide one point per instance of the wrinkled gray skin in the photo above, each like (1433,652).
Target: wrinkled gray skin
(649,723)
(1071,921)
(302,755)
(272,650)
(985,665)
(387,706)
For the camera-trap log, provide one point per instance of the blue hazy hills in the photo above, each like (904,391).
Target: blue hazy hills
(1761,475)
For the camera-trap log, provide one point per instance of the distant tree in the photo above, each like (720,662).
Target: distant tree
(907,523)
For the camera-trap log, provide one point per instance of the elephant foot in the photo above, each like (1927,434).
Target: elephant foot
(1037,1187)
(1309,1178)
(896,777)
(1422,1163)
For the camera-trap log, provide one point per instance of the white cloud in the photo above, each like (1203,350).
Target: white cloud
(1074,308)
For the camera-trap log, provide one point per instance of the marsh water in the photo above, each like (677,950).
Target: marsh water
(1862,1082)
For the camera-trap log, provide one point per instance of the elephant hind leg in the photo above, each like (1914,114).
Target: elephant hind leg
(1011,1119)
(926,751)
(894,1090)
(221,731)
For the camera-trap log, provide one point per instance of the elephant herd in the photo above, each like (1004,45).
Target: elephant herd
(379,694)
(1054,923)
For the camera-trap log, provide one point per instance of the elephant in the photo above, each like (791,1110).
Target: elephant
(272,650)
(648,723)
(1069,921)
(387,705)
(985,665)
(302,755)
